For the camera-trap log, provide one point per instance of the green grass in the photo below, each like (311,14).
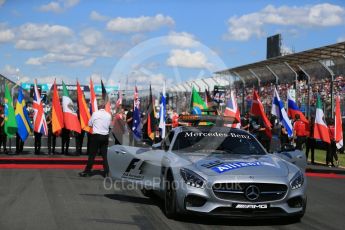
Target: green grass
(320,156)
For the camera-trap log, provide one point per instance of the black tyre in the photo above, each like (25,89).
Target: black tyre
(170,199)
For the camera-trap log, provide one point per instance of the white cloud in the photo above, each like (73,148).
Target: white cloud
(341,39)
(140,24)
(10,71)
(54,57)
(58,6)
(39,31)
(58,78)
(182,39)
(142,80)
(188,59)
(6,35)
(94,15)
(2,2)
(91,36)
(244,27)
(137,38)
(51,7)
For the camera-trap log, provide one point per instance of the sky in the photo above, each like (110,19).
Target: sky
(128,42)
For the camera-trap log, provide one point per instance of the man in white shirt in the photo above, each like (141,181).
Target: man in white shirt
(100,122)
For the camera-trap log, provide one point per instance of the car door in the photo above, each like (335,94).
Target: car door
(139,165)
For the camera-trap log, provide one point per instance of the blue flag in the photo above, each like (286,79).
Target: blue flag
(162,113)
(22,117)
(279,111)
(136,116)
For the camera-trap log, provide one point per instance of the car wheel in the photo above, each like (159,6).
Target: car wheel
(170,200)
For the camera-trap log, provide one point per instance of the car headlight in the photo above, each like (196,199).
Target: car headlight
(191,178)
(297,180)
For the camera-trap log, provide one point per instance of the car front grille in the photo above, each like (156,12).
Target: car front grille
(237,191)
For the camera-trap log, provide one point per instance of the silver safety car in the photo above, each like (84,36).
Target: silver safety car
(216,171)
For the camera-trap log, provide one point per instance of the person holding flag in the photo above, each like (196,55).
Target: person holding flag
(23,121)
(232,110)
(10,123)
(136,129)
(336,134)
(149,121)
(162,113)
(84,117)
(55,120)
(264,133)
(321,130)
(197,103)
(70,117)
(40,124)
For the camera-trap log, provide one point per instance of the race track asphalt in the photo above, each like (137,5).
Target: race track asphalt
(60,199)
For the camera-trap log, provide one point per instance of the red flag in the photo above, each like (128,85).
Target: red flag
(57,115)
(257,109)
(105,98)
(84,113)
(93,99)
(338,124)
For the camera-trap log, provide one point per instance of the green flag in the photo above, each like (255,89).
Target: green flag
(197,103)
(10,126)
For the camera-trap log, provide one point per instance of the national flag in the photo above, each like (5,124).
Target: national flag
(119,99)
(22,117)
(320,128)
(57,114)
(162,113)
(105,98)
(136,116)
(84,113)
(70,116)
(257,109)
(40,124)
(293,109)
(93,99)
(279,111)
(197,103)
(150,113)
(208,99)
(232,110)
(10,126)
(338,126)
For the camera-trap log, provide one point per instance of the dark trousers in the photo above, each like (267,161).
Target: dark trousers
(38,138)
(3,141)
(118,138)
(99,143)
(300,140)
(331,153)
(65,141)
(79,139)
(131,138)
(51,142)
(19,144)
(310,145)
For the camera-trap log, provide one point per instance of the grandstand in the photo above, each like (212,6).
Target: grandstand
(308,73)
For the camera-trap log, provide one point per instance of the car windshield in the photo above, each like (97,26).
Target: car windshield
(217,143)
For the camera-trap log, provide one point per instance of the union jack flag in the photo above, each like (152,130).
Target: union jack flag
(232,110)
(40,124)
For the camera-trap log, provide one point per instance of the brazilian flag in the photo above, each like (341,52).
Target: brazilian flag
(10,126)
(197,103)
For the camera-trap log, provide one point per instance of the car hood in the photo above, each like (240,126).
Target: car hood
(227,164)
